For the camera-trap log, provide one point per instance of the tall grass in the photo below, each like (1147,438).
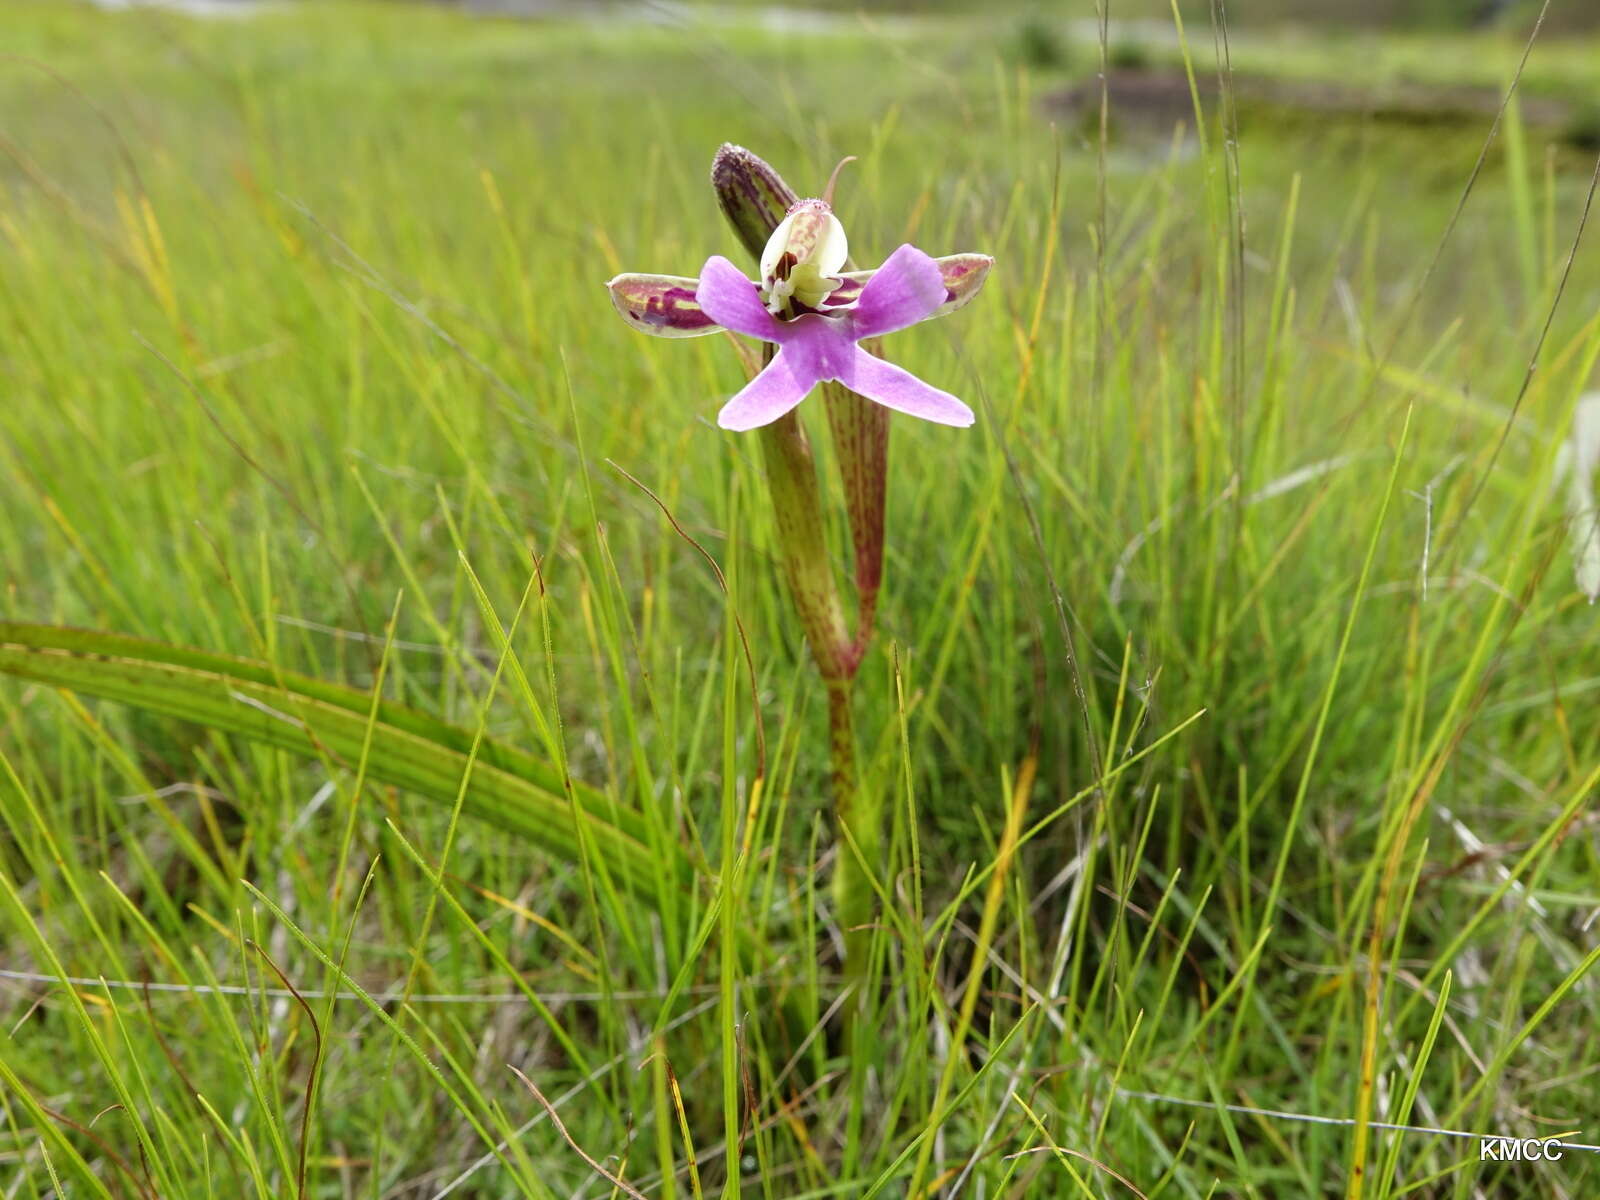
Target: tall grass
(308,361)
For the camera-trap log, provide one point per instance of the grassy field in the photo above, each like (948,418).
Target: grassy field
(306,359)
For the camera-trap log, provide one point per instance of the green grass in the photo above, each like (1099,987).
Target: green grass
(306,360)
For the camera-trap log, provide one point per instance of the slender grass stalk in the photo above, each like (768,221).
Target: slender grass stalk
(1018,794)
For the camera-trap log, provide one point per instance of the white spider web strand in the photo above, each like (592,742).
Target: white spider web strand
(1311,1119)
(383,997)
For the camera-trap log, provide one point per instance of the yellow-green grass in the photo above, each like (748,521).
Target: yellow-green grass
(306,358)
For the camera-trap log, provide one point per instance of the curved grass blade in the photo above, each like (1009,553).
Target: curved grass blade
(514,790)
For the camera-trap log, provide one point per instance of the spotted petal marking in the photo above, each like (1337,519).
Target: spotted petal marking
(662,305)
(963,275)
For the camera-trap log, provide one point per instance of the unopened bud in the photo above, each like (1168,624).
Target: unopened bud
(752,195)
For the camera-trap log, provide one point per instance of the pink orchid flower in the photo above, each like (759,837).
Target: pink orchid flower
(815,313)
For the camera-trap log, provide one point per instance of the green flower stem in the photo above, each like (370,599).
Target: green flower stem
(860,431)
(754,198)
(803,551)
(803,545)
(859,813)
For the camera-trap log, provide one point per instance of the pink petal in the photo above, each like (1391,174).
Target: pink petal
(819,347)
(908,288)
(766,397)
(731,300)
(902,391)
(963,276)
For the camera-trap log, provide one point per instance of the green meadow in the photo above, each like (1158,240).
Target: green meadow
(414,782)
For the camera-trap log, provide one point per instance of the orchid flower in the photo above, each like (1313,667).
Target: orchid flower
(815,312)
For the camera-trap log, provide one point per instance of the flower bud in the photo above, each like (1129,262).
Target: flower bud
(752,195)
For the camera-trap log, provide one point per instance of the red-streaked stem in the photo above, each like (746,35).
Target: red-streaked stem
(808,569)
(803,545)
(754,198)
(860,431)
